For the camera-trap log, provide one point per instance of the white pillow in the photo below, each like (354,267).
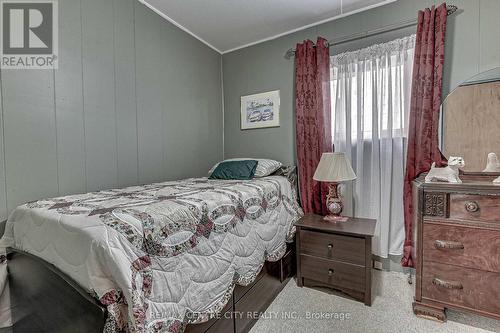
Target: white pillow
(265,167)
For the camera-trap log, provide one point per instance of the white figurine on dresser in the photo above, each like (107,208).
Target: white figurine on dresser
(447,174)
(492,164)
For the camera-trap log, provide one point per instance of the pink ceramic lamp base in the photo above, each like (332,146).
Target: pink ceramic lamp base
(334,205)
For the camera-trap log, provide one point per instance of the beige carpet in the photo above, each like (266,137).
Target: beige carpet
(294,308)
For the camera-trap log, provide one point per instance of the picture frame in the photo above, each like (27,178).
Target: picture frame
(260,110)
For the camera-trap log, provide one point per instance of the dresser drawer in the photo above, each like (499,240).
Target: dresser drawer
(334,273)
(339,247)
(475,207)
(465,287)
(462,246)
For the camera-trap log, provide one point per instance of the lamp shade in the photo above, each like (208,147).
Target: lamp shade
(334,167)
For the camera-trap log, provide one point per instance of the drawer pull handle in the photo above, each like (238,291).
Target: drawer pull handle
(447,284)
(441,244)
(471,206)
(330,272)
(330,246)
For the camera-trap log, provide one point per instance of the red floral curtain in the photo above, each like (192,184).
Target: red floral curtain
(424,110)
(313,119)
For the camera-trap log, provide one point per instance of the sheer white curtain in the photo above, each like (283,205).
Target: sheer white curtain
(370,105)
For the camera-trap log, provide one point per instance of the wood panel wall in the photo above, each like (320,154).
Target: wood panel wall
(135,100)
(471,127)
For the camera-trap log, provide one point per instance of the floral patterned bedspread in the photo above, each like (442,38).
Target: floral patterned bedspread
(163,255)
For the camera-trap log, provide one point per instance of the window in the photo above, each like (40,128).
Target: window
(370,91)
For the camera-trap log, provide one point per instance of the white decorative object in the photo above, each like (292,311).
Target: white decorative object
(492,164)
(260,110)
(447,174)
(497,180)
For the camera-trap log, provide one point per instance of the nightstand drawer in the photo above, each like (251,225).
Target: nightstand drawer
(329,246)
(334,273)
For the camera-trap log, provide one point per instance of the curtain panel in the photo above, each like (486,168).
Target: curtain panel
(371,103)
(313,118)
(423,141)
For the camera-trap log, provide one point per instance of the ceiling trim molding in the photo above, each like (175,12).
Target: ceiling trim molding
(178,25)
(311,25)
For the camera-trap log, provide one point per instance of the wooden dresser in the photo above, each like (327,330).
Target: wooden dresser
(336,255)
(457,247)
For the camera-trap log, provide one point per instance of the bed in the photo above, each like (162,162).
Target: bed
(164,257)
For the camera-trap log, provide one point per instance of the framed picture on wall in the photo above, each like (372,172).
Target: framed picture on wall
(260,110)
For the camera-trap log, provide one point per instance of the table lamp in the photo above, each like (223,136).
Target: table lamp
(334,168)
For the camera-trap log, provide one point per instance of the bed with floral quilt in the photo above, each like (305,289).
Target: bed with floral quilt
(164,255)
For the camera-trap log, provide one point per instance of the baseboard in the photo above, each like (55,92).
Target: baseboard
(392,264)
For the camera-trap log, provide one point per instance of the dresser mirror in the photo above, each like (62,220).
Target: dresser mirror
(471,121)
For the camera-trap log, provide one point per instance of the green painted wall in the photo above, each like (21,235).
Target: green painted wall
(472,46)
(135,100)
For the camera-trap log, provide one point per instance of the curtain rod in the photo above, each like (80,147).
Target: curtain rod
(450,10)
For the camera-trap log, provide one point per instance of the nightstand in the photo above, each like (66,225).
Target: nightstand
(336,255)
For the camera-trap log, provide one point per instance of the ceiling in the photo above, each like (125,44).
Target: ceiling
(227,25)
